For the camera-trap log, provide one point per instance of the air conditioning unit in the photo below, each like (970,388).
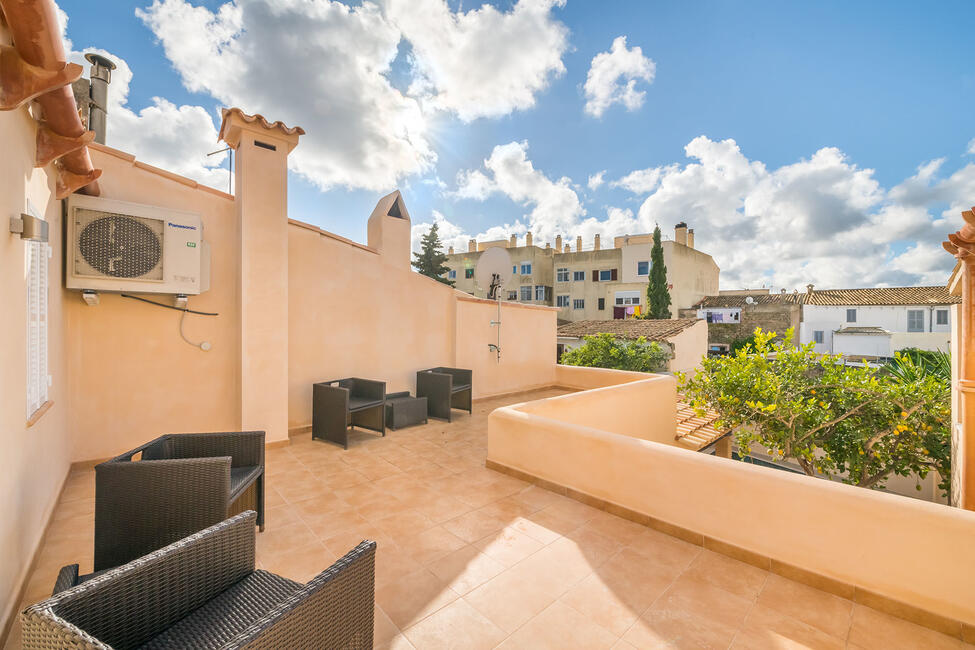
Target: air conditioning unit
(119,246)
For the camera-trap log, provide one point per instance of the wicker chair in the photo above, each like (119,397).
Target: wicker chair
(204,592)
(343,403)
(445,389)
(183,483)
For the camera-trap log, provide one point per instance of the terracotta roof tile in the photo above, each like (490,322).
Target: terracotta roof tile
(872,296)
(694,431)
(631,328)
(257,117)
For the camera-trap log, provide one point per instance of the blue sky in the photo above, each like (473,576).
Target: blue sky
(889,87)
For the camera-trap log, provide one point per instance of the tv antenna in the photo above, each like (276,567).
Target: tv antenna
(490,274)
(749,300)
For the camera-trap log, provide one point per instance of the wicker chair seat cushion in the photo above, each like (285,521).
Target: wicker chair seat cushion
(240,477)
(359,403)
(220,620)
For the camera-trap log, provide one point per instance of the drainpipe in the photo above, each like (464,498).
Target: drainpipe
(101,76)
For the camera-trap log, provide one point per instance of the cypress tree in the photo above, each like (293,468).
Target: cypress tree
(431,261)
(658,297)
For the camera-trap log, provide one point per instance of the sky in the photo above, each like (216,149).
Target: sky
(830,143)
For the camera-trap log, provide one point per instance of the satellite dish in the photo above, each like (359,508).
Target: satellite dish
(749,300)
(491,271)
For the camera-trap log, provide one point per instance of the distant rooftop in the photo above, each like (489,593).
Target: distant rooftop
(872,296)
(634,328)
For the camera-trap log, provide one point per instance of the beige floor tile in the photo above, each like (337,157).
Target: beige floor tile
(511,599)
(431,544)
(458,625)
(665,549)
(398,642)
(594,547)
(474,525)
(280,539)
(614,527)
(535,497)
(413,597)
(465,569)
(873,630)
(508,546)
(405,523)
(443,508)
(383,628)
(559,627)
(392,563)
(535,528)
(301,563)
(731,575)
(824,611)
(766,628)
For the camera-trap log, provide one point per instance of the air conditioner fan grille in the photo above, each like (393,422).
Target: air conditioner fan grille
(121,246)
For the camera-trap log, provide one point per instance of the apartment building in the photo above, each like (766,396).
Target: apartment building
(593,283)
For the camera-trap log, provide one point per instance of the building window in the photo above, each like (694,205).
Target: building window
(818,336)
(468,273)
(514,270)
(540,293)
(562,275)
(578,276)
(915,320)
(452,274)
(579,303)
(526,293)
(512,295)
(602,304)
(942,315)
(526,269)
(627,300)
(561,301)
(37,378)
(851,315)
(605,276)
(643,268)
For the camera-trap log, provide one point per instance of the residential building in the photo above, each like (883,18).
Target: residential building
(593,283)
(734,316)
(684,339)
(875,323)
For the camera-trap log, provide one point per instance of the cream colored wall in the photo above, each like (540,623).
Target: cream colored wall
(35,458)
(858,536)
(689,347)
(692,273)
(132,377)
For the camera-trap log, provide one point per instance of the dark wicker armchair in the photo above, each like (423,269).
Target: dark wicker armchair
(183,483)
(343,403)
(445,389)
(204,592)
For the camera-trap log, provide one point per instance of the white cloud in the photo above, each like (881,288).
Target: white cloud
(318,64)
(971,146)
(821,219)
(484,62)
(596,180)
(613,77)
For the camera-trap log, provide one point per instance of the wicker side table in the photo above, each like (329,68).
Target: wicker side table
(404,410)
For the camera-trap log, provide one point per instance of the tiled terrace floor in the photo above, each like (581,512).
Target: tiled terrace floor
(470,558)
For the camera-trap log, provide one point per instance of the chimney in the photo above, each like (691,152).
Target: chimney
(595,243)
(528,239)
(548,245)
(101,76)
(558,243)
(568,249)
(450,251)
(472,246)
(578,244)
(809,289)
(513,241)
(690,238)
(680,233)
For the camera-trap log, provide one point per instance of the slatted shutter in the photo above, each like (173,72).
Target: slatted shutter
(38,254)
(614,275)
(595,276)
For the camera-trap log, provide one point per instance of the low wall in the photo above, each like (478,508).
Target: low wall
(907,550)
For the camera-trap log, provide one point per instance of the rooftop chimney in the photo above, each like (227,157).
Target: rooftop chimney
(690,238)
(568,249)
(809,289)
(450,251)
(513,243)
(680,233)
(548,245)
(558,243)
(578,244)
(472,246)
(595,243)
(528,239)
(101,76)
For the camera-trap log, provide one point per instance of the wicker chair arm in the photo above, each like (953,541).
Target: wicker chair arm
(334,610)
(246,448)
(127,606)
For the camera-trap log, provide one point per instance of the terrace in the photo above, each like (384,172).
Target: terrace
(474,558)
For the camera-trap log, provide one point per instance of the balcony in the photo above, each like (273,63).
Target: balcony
(482,558)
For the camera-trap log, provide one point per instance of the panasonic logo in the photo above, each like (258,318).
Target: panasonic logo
(179,225)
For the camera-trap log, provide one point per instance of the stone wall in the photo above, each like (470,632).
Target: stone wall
(776,318)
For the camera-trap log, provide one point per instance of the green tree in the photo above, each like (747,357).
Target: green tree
(607,351)
(431,261)
(658,296)
(861,425)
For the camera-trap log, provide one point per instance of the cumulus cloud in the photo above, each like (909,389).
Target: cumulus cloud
(484,62)
(315,63)
(596,180)
(822,219)
(613,77)
(971,146)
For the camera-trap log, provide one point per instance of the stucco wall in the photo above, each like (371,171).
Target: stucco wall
(893,319)
(689,347)
(35,458)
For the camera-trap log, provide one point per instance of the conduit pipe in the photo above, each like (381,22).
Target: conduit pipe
(61,136)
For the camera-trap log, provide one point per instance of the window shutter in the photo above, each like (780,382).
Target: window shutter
(37,281)
(595,276)
(614,275)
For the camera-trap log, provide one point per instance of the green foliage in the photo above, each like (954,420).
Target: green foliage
(859,424)
(431,261)
(606,351)
(912,364)
(658,296)
(741,343)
